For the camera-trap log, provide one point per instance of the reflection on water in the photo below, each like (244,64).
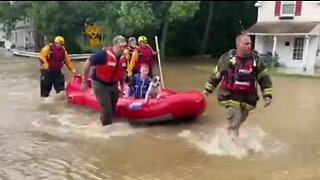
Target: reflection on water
(51,139)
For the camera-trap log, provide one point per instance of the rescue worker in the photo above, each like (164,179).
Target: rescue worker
(106,76)
(52,59)
(139,83)
(146,56)
(132,49)
(132,54)
(239,70)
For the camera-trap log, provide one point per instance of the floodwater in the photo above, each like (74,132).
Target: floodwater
(55,140)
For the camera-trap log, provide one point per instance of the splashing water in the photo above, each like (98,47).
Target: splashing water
(72,121)
(75,121)
(54,98)
(251,140)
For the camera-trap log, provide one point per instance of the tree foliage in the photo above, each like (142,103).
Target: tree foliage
(9,14)
(135,16)
(182,10)
(180,25)
(64,18)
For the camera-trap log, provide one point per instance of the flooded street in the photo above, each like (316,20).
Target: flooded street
(56,140)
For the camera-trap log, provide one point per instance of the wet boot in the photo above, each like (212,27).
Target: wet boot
(104,122)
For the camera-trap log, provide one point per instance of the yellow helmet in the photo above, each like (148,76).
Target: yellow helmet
(142,39)
(59,40)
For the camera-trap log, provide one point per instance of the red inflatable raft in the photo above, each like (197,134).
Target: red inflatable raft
(172,105)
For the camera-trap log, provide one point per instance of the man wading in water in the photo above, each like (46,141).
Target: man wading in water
(238,70)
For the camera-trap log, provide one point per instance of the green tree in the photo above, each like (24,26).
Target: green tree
(184,27)
(9,14)
(137,17)
(175,11)
(66,18)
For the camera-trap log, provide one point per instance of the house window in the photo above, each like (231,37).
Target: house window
(288,8)
(298,48)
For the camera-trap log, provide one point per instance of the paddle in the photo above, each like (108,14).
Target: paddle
(159,62)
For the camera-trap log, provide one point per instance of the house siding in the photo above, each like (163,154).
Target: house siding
(309,12)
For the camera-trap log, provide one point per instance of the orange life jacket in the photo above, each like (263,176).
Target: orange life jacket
(240,77)
(130,49)
(112,71)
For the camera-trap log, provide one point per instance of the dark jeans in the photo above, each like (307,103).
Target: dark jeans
(51,78)
(107,96)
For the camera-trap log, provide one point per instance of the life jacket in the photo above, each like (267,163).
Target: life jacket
(239,77)
(124,63)
(145,57)
(55,58)
(140,86)
(130,50)
(112,70)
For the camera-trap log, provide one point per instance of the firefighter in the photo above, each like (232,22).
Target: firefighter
(239,71)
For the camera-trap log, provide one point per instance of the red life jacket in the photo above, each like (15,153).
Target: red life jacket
(145,57)
(56,58)
(240,78)
(124,62)
(112,70)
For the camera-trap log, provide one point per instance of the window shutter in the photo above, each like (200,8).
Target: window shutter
(298,8)
(277,8)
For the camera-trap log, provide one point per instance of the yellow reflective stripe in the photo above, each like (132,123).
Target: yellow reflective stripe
(224,103)
(236,104)
(261,74)
(216,72)
(247,106)
(209,86)
(267,91)
(230,103)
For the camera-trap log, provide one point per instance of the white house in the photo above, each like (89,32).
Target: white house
(290,29)
(22,34)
